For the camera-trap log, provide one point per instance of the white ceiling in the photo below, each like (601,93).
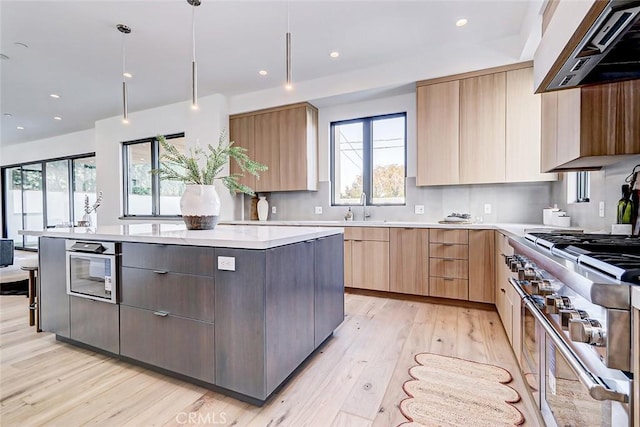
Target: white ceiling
(74,49)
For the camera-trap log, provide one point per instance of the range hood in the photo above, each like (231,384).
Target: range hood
(610,50)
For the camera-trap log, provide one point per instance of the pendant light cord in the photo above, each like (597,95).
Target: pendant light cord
(288,84)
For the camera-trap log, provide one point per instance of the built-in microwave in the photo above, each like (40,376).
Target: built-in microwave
(92,270)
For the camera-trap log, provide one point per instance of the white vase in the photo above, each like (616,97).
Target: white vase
(200,207)
(263,209)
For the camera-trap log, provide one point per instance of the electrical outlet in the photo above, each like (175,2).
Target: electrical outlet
(318,210)
(601,210)
(227,263)
(487,208)
(419,209)
(274,210)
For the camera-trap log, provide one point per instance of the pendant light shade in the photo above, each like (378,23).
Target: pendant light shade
(288,84)
(194,65)
(125,97)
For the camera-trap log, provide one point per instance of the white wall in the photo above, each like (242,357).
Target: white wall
(202,126)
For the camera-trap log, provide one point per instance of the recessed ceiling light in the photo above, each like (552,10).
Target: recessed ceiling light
(263,72)
(461,22)
(20,44)
(57,118)
(20,127)
(7,114)
(334,54)
(127,75)
(54,95)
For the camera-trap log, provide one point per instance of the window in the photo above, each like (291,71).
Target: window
(145,193)
(578,187)
(46,193)
(369,156)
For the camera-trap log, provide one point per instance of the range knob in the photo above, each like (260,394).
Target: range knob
(526,273)
(567,314)
(555,303)
(589,331)
(542,287)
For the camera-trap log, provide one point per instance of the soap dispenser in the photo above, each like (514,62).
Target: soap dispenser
(349,215)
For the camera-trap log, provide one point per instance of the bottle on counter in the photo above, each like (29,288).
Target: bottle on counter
(349,215)
(625,206)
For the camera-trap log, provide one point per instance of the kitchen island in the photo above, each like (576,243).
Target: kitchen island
(236,309)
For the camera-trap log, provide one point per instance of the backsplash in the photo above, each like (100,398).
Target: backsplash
(510,203)
(605,186)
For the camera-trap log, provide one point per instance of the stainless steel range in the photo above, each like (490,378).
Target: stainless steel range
(576,324)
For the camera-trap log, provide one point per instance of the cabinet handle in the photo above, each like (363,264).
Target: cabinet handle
(160,271)
(161,313)
(448,278)
(447,244)
(449,259)
(502,290)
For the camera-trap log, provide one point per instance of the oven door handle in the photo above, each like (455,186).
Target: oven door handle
(597,388)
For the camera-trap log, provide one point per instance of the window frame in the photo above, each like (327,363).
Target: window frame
(367,156)
(43,165)
(155,179)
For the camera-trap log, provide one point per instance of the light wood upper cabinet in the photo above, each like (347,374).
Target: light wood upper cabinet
(590,127)
(479,127)
(482,129)
(409,260)
(267,149)
(523,121)
(438,133)
(284,139)
(482,266)
(241,132)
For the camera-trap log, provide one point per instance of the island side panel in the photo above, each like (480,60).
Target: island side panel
(289,310)
(240,323)
(52,296)
(329,286)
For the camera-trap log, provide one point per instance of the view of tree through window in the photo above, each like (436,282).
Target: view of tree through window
(369,157)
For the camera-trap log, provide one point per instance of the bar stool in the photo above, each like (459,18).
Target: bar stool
(31,265)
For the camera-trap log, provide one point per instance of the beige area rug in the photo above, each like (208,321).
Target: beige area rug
(447,391)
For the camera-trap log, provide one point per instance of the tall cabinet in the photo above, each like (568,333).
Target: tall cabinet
(284,139)
(480,127)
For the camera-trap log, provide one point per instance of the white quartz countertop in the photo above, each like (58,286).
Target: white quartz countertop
(635,297)
(508,228)
(224,236)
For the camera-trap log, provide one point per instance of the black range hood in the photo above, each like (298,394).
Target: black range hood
(610,50)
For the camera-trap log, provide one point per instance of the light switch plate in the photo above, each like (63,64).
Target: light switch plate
(227,263)
(419,209)
(487,208)
(318,210)
(601,210)
(274,210)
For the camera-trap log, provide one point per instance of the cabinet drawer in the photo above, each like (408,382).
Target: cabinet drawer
(448,267)
(440,235)
(174,343)
(95,323)
(180,294)
(174,258)
(380,234)
(445,287)
(448,250)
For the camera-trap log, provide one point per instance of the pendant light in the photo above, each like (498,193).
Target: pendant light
(125,101)
(194,65)
(288,85)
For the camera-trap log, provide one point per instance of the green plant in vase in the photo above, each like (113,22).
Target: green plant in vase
(198,169)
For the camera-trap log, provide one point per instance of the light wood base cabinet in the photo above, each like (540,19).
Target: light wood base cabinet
(481,266)
(449,263)
(409,260)
(367,253)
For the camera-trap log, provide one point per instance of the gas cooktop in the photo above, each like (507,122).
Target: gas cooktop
(615,255)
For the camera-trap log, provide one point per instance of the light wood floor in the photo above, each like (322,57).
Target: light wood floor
(356,380)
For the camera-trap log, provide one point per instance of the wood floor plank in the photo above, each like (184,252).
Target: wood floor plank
(355,380)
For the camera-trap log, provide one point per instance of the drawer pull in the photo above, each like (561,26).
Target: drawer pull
(448,278)
(502,290)
(161,313)
(447,244)
(160,271)
(449,259)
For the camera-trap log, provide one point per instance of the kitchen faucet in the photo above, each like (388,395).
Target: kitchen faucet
(363,203)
